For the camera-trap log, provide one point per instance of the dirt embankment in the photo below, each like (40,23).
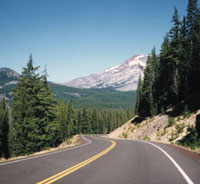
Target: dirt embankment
(160,128)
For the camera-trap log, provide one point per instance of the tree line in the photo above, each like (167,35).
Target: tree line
(172,76)
(36,121)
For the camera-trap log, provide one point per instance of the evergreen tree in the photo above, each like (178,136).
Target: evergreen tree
(70,119)
(197,125)
(33,125)
(193,41)
(144,106)
(46,114)
(4,129)
(174,76)
(61,120)
(24,99)
(94,122)
(79,116)
(138,95)
(183,63)
(85,121)
(173,60)
(147,106)
(163,80)
(109,126)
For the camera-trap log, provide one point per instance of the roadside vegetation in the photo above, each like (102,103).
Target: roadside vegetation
(192,139)
(171,79)
(36,121)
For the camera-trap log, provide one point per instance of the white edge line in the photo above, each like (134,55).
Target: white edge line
(185,176)
(46,154)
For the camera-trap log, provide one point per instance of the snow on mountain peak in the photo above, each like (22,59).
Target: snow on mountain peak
(123,77)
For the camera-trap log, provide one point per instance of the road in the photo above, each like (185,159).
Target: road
(100,161)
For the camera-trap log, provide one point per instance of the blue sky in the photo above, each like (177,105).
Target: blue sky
(79,37)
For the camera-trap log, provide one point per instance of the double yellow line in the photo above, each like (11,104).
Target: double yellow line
(77,166)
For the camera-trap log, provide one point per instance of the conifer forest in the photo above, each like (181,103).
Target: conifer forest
(172,76)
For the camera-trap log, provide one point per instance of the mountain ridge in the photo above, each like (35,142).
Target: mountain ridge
(98,98)
(122,77)
(8,76)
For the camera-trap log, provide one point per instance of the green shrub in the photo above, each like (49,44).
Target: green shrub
(171,121)
(192,139)
(198,124)
(174,136)
(124,135)
(146,138)
(186,112)
(179,128)
(164,132)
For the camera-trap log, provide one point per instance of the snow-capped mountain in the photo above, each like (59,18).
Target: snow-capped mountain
(8,76)
(123,77)
(8,79)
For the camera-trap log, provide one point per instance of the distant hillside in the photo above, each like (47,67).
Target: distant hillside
(8,81)
(8,76)
(99,98)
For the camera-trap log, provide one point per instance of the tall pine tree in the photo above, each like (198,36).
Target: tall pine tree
(33,126)
(4,129)
(193,41)
(138,96)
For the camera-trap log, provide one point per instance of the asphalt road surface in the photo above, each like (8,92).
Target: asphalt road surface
(100,161)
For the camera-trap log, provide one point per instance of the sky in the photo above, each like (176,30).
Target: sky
(75,38)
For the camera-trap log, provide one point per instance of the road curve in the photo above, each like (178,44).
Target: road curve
(131,162)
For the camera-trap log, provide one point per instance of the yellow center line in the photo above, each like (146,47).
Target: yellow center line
(77,166)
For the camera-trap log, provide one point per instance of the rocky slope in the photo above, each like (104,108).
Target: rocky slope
(160,128)
(123,77)
(8,76)
(8,79)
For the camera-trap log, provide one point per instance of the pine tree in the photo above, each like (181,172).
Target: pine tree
(197,124)
(46,113)
(183,66)
(174,58)
(193,41)
(4,129)
(79,118)
(163,81)
(33,125)
(174,76)
(94,122)
(138,95)
(147,106)
(70,118)
(61,119)
(144,106)
(24,124)
(85,121)
(109,126)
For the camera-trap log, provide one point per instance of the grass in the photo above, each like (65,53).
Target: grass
(164,132)
(179,128)
(191,140)
(174,135)
(131,129)
(186,112)
(124,135)
(158,138)
(171,121)
(138,125)
(146,138)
